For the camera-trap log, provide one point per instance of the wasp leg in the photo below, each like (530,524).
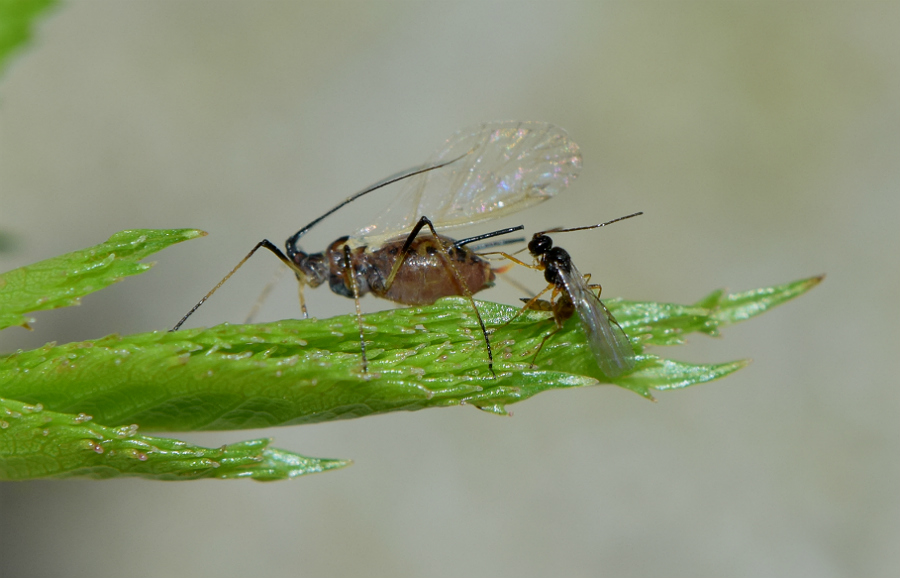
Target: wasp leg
(511,258)
(597,286)
(530,304)
(541,346)
(554,299)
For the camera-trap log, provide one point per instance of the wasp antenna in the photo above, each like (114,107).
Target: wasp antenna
(569,230)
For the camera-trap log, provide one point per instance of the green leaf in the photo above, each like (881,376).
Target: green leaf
(37,443)
(16,20)
(64,280)
(743,306)
(69,409)
(305,371)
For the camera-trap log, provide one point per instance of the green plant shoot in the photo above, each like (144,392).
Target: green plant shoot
(85,400)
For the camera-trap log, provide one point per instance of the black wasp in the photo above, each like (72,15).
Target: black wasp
(572,294)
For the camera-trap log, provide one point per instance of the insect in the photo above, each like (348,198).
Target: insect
(481,173)
(572,294)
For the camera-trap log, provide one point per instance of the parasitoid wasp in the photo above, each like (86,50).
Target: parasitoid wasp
(573,294)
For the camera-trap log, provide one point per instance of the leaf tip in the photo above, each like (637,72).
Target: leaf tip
(813,281)
(496,409)
(729,368)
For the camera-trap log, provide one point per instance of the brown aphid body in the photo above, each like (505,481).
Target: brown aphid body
(490,171)
(433,267)
(425,274)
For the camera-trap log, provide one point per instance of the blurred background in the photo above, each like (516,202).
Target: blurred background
(761,139)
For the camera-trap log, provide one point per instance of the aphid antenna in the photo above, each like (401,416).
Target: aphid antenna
(569,230)
(291,244)
(292,241)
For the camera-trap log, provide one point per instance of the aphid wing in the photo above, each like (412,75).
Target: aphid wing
(505,167)
(608,342)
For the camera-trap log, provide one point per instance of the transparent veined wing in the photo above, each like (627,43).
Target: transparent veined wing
(611,347)
(503,167)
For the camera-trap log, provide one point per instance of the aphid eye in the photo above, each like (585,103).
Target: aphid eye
(299,256)
(540,244)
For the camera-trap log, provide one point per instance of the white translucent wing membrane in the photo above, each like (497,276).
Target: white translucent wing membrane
(504,167)
(606,338)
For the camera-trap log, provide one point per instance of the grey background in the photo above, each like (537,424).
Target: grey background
(761,139)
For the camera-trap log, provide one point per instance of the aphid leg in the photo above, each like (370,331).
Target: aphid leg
(264,295)
(302,300)
(491,235)
(464,289)
(264,243)
(350,279)
(405,250)
(480,248)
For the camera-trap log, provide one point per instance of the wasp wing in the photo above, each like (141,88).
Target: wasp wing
(502,167)
(611,347)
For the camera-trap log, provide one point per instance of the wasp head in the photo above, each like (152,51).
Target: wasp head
(539,244)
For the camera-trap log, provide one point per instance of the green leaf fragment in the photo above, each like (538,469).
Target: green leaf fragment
(38,443)
(62,281)
(16,20)
(75,404)
(729,309)
(665,374)
(306,371)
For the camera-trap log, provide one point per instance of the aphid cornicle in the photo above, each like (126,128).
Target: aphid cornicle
(481,173)
(572,294)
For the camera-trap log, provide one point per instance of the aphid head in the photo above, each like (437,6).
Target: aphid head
(314,267)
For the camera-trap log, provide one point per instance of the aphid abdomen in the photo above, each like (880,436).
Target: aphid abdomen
(425,276)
